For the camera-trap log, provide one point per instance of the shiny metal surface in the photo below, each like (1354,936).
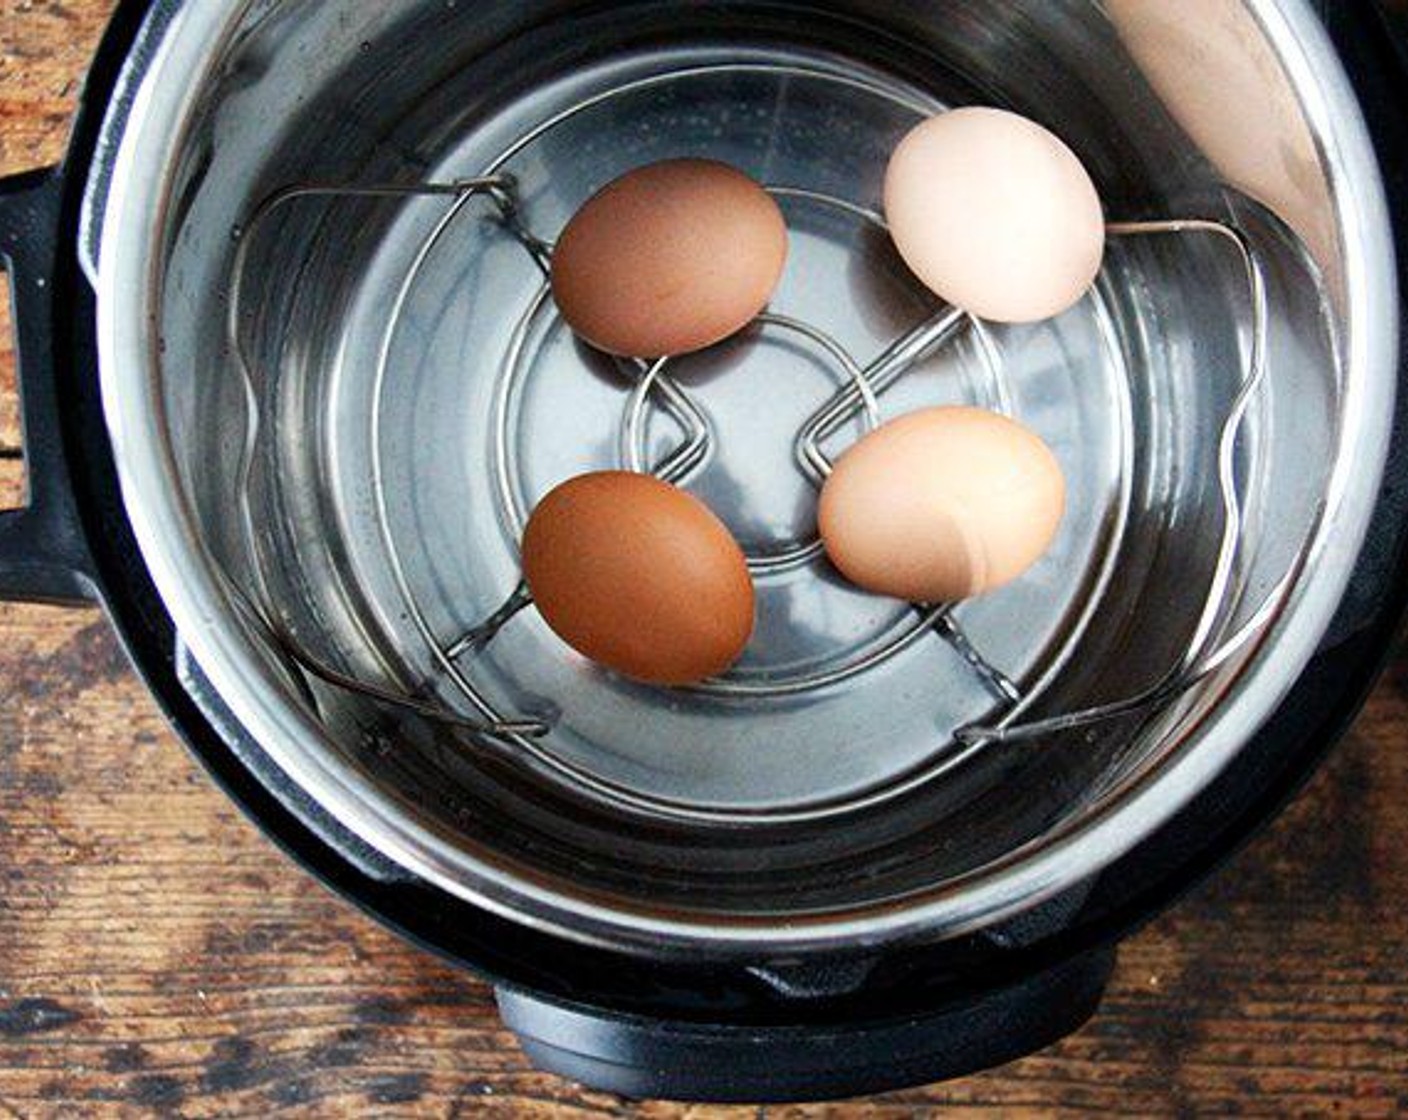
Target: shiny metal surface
(860,397)
(1128,388)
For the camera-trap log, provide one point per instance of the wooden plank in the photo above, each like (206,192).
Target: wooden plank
(44,51)
(12,482)
(157,956)
(156,953)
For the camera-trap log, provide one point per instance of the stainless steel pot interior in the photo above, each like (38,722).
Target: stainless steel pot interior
(413,397)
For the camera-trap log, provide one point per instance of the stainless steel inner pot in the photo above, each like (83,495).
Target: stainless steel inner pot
(412,393)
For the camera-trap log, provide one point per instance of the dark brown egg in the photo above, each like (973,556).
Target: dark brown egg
(669,258)
(640,577)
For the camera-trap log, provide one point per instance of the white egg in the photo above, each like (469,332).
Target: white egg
(995,214)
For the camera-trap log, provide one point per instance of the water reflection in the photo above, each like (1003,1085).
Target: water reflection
(1220,79)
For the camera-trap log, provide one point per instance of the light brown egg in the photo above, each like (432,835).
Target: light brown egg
(995,214)
(670,258)
(942,505)
(640,577)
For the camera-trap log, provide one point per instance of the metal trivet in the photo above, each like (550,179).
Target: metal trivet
(652,386)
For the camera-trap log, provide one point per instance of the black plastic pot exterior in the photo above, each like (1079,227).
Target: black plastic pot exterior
(653,1029)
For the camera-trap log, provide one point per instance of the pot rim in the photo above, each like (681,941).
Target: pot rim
(128,288)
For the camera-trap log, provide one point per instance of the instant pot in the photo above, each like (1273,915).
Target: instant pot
(291,379)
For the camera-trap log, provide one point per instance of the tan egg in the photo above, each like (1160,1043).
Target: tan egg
(942,505)
(995,214)
(640,577)
(670,258)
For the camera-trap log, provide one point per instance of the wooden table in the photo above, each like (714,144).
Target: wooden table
(158,956)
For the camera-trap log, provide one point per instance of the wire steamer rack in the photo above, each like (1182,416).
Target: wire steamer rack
(477,724)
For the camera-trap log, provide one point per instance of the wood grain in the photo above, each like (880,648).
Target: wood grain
(12,481)
(158,957)
(44,50)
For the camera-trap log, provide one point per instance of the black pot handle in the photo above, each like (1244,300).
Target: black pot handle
(44,555)
(645,1058)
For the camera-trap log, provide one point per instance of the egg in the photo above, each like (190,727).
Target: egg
(669,259)
(640,577)
(995,214)
(942,505)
